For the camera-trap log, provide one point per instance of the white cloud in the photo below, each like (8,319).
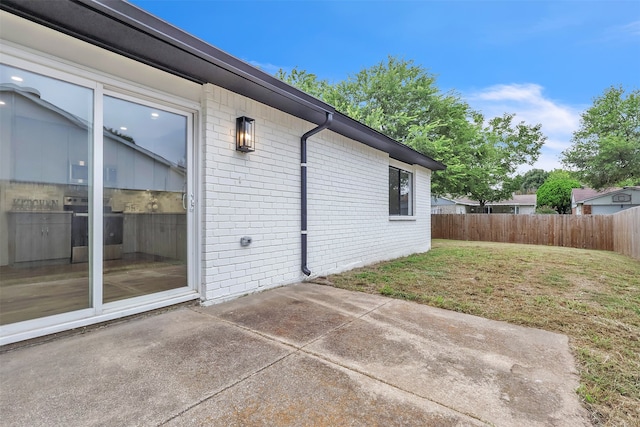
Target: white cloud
(632,29)
(620,33)
(529,104)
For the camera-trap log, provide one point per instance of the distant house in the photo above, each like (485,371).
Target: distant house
(587,201)
(520,204)
(523,204)
(444,205)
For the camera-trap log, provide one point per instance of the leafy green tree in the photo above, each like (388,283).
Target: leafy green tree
(401,100)
(392,97)
(532,180)
(485,159)
(606,147)
(556,192)
(307,82)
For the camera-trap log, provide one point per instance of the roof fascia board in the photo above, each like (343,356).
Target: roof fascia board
(162,30)
(139,20)
(87,19)
(396,150)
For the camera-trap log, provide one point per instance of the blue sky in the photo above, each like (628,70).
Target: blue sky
(543,60)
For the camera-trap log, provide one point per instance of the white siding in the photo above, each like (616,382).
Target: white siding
(258,195)
(604,205)
(527,210)
(608,209)
(606,199)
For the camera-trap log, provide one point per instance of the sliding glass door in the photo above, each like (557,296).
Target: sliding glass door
(46,131)
(95,198)
(145,194)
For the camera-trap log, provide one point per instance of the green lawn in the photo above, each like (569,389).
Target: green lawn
(591,296)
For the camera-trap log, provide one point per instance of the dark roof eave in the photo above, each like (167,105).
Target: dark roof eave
(127,30)
(342,123)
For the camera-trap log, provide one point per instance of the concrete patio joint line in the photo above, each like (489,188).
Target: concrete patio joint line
(223,389)
(374,378)
(286,343)
(252,331)
(344,324)
(302,349)
(370,376)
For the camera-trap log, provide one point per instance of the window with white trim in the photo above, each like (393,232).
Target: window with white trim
(400,192)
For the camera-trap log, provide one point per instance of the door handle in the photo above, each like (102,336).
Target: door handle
(184,201)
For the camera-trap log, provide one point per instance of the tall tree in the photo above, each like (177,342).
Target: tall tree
(305,81)
(401,100)
(487,159)
(606,147)
(532,180)
(392,96)
(556,192)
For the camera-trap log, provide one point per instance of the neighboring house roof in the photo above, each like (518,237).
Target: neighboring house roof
(127,30)
(33,96)
(442,201)
(516,200)
(581,195)
(465,201)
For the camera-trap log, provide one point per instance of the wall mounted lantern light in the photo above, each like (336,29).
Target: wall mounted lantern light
(245,134)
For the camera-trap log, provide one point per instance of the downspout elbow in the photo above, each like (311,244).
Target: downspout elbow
(306,271)
(303,189)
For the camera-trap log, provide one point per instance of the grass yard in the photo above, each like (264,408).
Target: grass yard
(591,296)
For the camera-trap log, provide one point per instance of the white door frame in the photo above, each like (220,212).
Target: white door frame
(103,85)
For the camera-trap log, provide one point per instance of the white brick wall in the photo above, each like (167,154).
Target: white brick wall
(258,195)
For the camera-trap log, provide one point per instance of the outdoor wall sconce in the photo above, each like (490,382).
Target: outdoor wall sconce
(245,134)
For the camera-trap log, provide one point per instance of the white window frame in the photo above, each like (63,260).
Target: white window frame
(101,85)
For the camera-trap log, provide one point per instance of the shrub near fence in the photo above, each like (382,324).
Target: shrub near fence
(619,232)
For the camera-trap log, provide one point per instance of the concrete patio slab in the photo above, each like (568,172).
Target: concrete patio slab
(299,355)
(503,374)
(302,390)
(296,314)
(137,373)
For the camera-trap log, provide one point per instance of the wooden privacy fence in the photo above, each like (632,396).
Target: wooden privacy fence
(626,228)
(618,232)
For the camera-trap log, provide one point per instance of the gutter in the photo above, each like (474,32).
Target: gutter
(303,189)
(127,30)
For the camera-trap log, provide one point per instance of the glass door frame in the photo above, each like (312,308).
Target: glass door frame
(190,211)
(103,85)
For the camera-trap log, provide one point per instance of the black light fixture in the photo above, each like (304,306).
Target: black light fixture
(245,134)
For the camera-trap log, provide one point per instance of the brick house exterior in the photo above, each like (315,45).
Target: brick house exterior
(126,65)
(349,222)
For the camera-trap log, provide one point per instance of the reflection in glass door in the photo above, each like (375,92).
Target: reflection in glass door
(145,202)
(45,139)
(63,183)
